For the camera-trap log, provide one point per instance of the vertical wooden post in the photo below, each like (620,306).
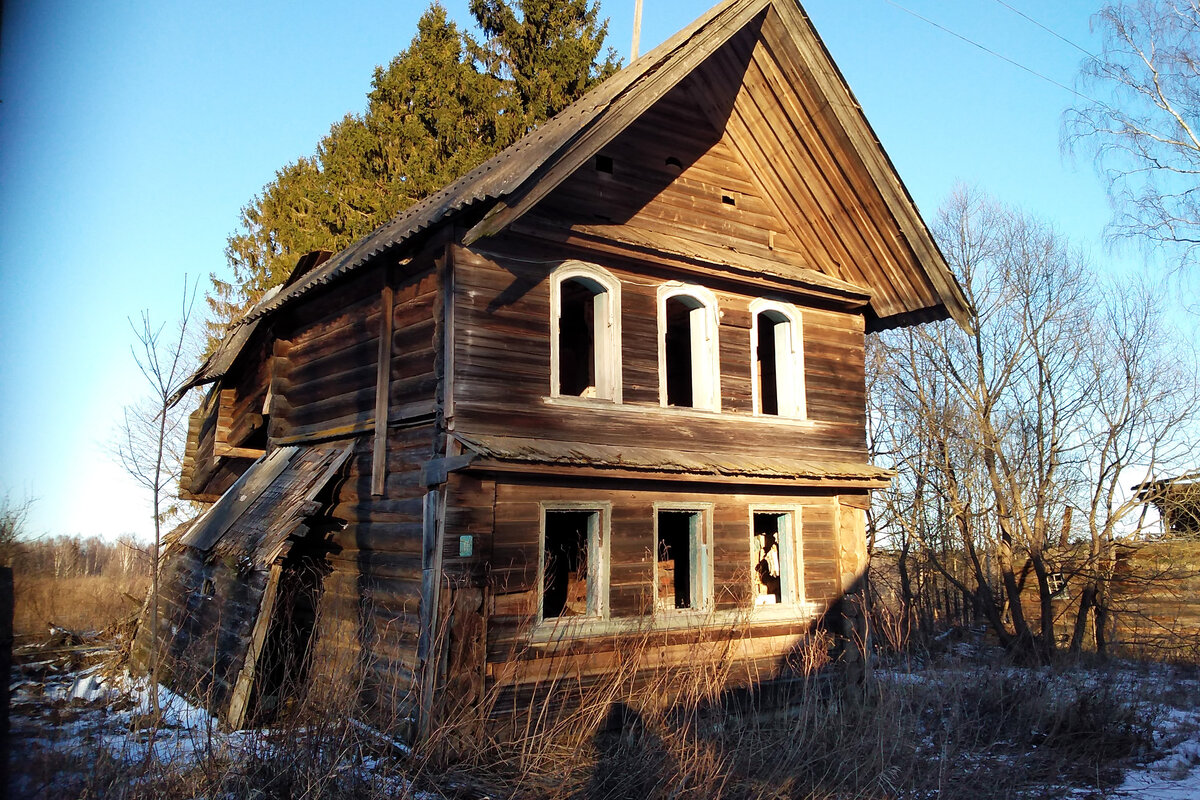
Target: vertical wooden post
(637,30)
(239,704)
(428,646)
(6,643)
(383,385)
(852,555)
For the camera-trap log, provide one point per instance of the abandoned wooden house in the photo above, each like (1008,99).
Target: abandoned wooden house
(608,385)
(1177,501)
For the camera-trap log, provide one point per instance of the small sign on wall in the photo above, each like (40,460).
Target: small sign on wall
(466,546)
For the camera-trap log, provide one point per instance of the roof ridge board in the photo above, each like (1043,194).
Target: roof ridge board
(905,212)
(392,231)
(645,89)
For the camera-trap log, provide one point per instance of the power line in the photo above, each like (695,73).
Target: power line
(1048,30)
(992,52)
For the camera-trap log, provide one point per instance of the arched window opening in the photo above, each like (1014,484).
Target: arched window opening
(586,344)
(577,337)
(684,326)
(774,352)
(688,348)
(778,361)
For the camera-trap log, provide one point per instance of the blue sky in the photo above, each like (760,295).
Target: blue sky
(132,132)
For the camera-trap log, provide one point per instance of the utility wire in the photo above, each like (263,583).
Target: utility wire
(992,52)
(1053,33)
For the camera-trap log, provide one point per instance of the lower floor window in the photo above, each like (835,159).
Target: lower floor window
(682,565)
(572,563)
(775,558)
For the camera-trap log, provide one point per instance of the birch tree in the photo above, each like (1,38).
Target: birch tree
(1141,121)
(152,436)
(1028,430)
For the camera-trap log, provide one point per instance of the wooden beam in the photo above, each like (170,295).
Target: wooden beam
(430,644)
(383,376)
(240,701)
(238,452)
(617,474)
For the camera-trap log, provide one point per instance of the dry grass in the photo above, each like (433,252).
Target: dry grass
(966,730)
(87,603)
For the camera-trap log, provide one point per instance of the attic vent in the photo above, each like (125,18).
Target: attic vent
(729,200)
(674,163)
(604,164)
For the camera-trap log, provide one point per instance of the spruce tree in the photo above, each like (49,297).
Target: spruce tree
(440,108)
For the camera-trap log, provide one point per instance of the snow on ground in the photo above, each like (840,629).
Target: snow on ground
(1175,774)
(91,710)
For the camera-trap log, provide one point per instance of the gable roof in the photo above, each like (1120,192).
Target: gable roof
(508,185)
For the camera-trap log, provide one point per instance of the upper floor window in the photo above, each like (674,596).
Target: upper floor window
(777,350)
(688,365)
(585,341)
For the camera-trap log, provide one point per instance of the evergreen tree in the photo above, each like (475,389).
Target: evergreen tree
(439,109)
(546,48)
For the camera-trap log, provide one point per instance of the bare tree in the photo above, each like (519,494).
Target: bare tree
(152,435)
(1054,394)
(1141,121)
(13,515)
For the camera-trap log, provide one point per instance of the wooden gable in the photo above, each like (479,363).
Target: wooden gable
(745,154)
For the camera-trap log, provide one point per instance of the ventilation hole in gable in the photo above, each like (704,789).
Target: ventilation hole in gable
(604,164)
(674,163)
(729,200)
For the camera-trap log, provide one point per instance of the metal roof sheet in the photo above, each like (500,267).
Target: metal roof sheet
(255,517)
(509,169)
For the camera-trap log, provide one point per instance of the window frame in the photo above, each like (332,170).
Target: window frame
(796,405)
(791,559)
(700,560)
(606,341)
(599,542)
(706,376)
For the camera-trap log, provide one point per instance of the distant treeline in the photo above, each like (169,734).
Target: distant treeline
(74,557)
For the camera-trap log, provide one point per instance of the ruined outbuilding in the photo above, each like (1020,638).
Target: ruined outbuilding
(607,386)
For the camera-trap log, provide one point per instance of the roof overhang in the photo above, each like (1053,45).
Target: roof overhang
(504,188)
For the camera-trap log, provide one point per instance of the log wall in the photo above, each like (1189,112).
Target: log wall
(207,610)
(369,615)
(502,368)
(518,656)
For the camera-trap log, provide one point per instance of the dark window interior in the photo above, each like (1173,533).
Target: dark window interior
(766,366)
(564,593)
(768,528)
(576,338)
(679,351)
(675,557)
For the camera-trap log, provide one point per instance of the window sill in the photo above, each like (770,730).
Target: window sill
(680,411)
(563,629)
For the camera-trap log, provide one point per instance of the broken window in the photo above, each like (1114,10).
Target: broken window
(572,564)
(775,559)
(585,343)
(778,360)
(688,344)
(682,563)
